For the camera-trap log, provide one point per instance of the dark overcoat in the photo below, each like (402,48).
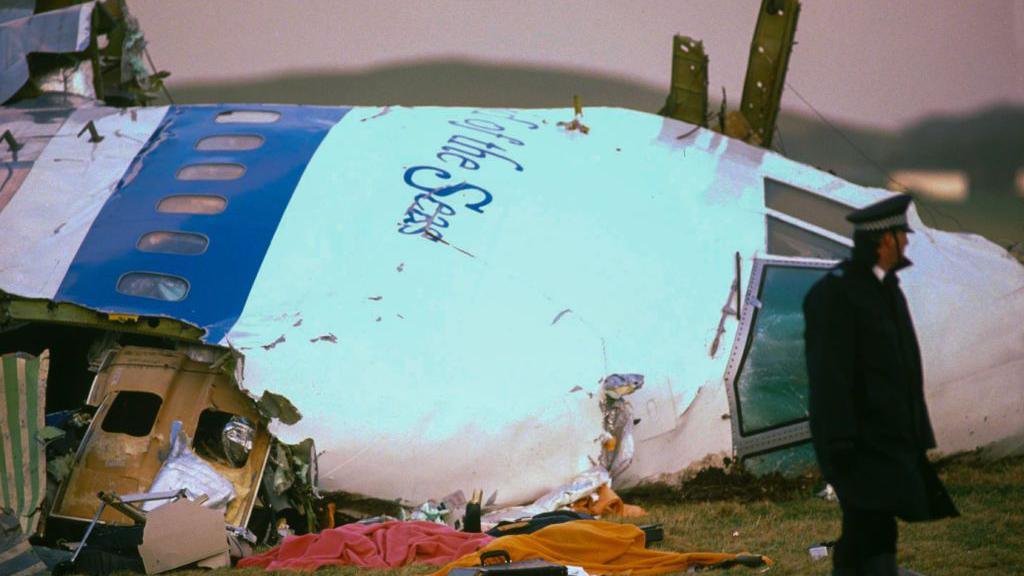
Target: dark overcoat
(869,422)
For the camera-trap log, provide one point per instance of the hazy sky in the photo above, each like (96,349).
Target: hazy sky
(874,62)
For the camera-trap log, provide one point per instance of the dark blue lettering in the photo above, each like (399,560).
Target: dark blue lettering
(466,163)
(481,150)
(487,127)
(420,218)
(444,191)
(463,187)
(442,174)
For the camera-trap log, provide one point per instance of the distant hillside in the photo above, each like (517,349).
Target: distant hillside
(988,145)
(466,83)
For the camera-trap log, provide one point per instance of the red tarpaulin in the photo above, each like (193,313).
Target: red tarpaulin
(385,545)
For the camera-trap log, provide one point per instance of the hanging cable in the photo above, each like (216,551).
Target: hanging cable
(864,155)
(933,211)
(163,85)
(782,145)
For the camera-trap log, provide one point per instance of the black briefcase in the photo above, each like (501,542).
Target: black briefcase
(497,563)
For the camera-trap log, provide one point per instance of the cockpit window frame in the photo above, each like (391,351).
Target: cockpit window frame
(787,434)
(826,235)
(780,193)
(798,222)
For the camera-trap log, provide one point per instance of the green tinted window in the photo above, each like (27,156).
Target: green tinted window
(771,387)
(789,461)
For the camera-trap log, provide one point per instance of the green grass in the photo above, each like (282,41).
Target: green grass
(987,539)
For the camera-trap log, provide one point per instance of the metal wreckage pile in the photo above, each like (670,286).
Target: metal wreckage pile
(92,425)
(138,450)
(84,491)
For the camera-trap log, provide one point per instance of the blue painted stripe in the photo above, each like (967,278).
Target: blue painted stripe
(219,279)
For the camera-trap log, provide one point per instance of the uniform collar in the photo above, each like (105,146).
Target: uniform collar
(879,273)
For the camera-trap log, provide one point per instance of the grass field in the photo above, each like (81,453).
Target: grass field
(987,539)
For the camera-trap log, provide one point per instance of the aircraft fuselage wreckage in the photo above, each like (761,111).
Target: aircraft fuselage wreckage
(452,298)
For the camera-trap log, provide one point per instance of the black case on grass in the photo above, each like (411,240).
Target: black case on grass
(503,567)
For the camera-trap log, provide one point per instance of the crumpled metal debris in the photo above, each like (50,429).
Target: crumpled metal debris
(77,79)
(618,447)
(65,30)
(273,406)
(429,511)
(580,487)
(184,470)
(133,55)
(577,123)
(616,386)
(236,439)
(456,505)
(290,478)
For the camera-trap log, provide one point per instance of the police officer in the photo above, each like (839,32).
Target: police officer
(869,422)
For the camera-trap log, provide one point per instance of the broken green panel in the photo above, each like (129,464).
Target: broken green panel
(771,386)
(22,450)
(13,308)
(688,94)
(766,67)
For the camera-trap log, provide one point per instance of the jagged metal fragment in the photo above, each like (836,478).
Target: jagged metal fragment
(688,94)
(766,68)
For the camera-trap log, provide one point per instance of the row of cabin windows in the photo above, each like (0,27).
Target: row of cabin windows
(784,238)
(173,288)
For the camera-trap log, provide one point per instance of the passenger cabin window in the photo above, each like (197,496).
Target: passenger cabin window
(230,142)
(211,172)
(807,206)
(192,204)
(155,286)
(785,239)
(132,413)
(185,243)
(248,117)
(771,384)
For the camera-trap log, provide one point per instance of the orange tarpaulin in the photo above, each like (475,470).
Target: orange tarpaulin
(608,503)
(596,546)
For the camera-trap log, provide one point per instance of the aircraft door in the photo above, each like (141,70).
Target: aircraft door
(766,376)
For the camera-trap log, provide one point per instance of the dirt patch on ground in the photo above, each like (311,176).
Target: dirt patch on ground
(355,507)
(730,483)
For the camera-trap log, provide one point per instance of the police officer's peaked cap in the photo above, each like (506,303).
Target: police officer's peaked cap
(889,214)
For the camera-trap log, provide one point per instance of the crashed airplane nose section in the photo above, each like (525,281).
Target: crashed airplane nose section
(444,293)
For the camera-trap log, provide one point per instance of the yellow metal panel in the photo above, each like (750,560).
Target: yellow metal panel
(117,461)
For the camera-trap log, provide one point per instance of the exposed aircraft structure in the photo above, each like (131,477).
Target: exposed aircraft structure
(454,298)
